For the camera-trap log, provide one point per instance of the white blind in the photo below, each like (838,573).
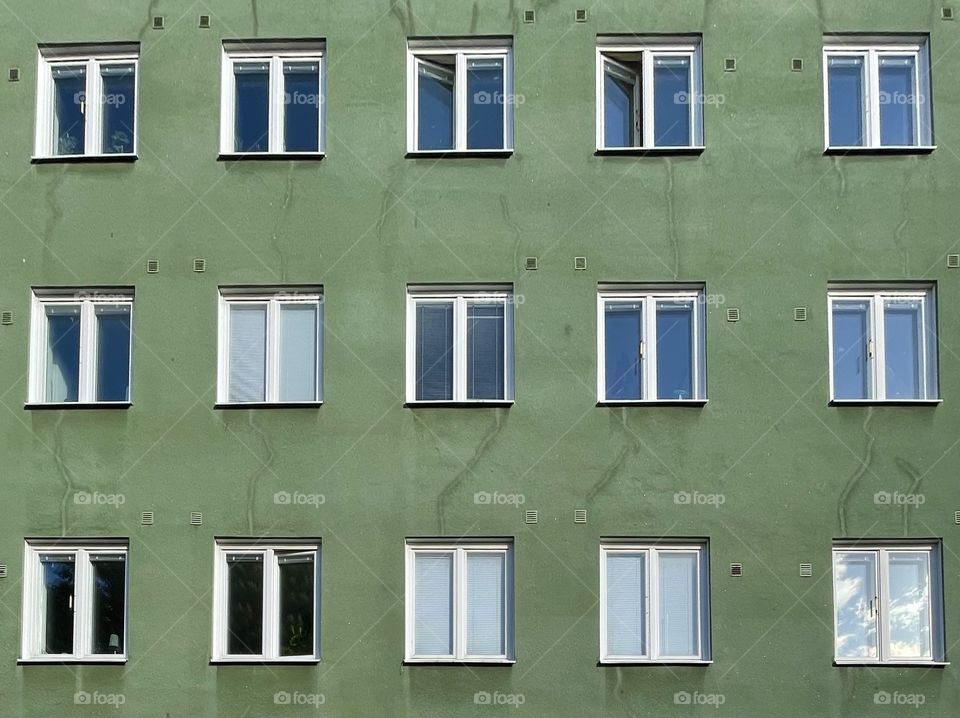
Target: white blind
(248,352)
(485,351)
(434,351)
(434,605)
(298,352)
(485,604)
(626,627)
(679,619)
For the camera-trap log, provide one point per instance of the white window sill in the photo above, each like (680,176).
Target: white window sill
(885,402)
(504,152)
(891,664)
(881,150)
(260,661)
(268,405)
(652,402)
(454,404)
(275,156)
(118,157)
(58,660)
(641,151)
(658,662)
(30,405)
(460,661)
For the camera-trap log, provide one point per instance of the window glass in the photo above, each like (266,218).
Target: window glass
(486,586)
(434,604)
(909,610)
(851,332)
(58,575)
(485,351)
(244,604)
(857,608)
(626,604)
(435,106)
(113,352)
(434,336)
(672,99)
(623,333)
(248,352)
(485,103)
(845,85)
(298,352)
(301,86)
(675,350)
(63,353)
(903,337)
(679,609)
(252,110)
(898,101)
(619,110)
(109,599)
(119,108)
(70,108)
(297,604)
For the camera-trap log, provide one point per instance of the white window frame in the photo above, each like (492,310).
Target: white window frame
(270,631)
(871,50)
(459,550)
(649,296)
(460,297)
(882,550)
(647,50)
(651,609)
(876,349)
(462,50)
(92,57)
(274,299)
(87,300)
(275,55)
(33,617)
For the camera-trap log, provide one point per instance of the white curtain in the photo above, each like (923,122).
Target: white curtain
(485,604)
(434,605)
(248,352)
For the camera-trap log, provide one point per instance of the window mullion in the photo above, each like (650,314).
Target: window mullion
(277,106)
(460,102)
(94,109)
(646,94)
(460,603)
(879,349)
(271,384)
(883,614)
(923,369)
(86,372)
(649,362)
(873,97)
(653,604)
(82,645)
(460,349)
(270,648)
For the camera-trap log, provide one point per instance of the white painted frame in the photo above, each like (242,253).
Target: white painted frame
(273,300)
(649,298)
(460,297)
(461,50)
(270,631)
(459,549)
(275,59)
(92,59)
(876,299)
(87,300)
(871,51)
(652,552)
(33,612)
(647,50)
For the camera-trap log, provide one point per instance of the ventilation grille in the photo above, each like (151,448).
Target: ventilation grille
(581,15)
(579,263)
(799,314)
(806,570)
(736,569)
(204,21)
(153,266)
(579,516)
(13,75)
(6,318)
(146,518)
(946,13)
(3,570)
(531,263)
(196,518)
(529,16)
(733,314)
(158,22)
(796,64)
(531,517)
(953,261)
(199,265)
(730,64)
(956,517)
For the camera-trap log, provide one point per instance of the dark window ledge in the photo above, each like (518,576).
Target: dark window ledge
(649,151)
(892,402)
(271,405)
(453,154)
(853,151)
(684,404)
(85,159)
(506,404)
(270,156)
(77,406)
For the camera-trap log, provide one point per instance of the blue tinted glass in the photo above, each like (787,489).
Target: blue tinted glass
(671,101)
(435,107)
(675,350)
(851,375)
(113,353)
(70,106)
(301,120)
(619,113)
(622,336)
(845,92)
(252,120)
(58,592)
(63,354)
(119,108)
(902,329)
(485,357)
(485,104)
(434,351)
(898,101)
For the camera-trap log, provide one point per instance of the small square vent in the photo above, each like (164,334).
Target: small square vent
(799,314)
(531,517)
(946,13)
(6,318)
(3,570)
(199,265)
(529,16)
(579,516)
(204,22)
(956,517)
(580,15)
(196,518)
(736,569)
(13,74)
(146,518)
(733,314)
(796,64)
(806,570)
(579,263)
(153,266)
(730,64)
(953,261)
(158,22)
(531,263)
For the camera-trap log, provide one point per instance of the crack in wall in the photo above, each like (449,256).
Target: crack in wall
(404,16)
(447,492)
(858,474)
(916,478)
(63,471)
(508,219)
(843,178)
(54,211)
(898,235)
(274,236)
(474,18)
(266,465)
(148,25)
(254,11)
(672,219)
(611,472)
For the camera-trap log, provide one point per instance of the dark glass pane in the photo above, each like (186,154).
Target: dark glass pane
(69,108)
(845,92)
(252,111)
(485,104)
(903,341)
(109,598)
(119,108)
(671,101)
(297,605)
(435,114)
(245,606)
(622,335)
(434,351)
(675,350)
(619,111)
(851,373)
(301,120)
(58,588)
(898,101)
(113,353)
(485,351)
(63,354)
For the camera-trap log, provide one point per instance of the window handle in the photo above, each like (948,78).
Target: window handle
(870,349)
(70,604)
(641,350)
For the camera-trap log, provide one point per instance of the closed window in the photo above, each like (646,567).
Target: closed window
(270,346)
(81,347)
(649,93)
(272,98)
(75,601)
(459,344)
(459,601)
(460,96)
(87,101)
(654,603)
(650,344)
(266,601)
(877,92)
(888,603)
(883,344)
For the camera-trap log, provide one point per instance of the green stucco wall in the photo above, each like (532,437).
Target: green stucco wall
(763,217)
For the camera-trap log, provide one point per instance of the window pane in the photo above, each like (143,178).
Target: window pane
(909,606)
(671,101)
(485,359)
(679,604)
(301,122)
(486,589)
(298,352)
(898,101)
(851,370)
(435,113)
(113,353)
(626,601)
(486,103)
(69,110)
(675,357)
(619,109)
(244,605)
(434,351)
(855,595)
(109,599)
(58,590)
(845,100)
(622,337)
(252,110)
(903,337)
(248,352)
(434,605)
(297,604)
(63,353)
(119,108)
